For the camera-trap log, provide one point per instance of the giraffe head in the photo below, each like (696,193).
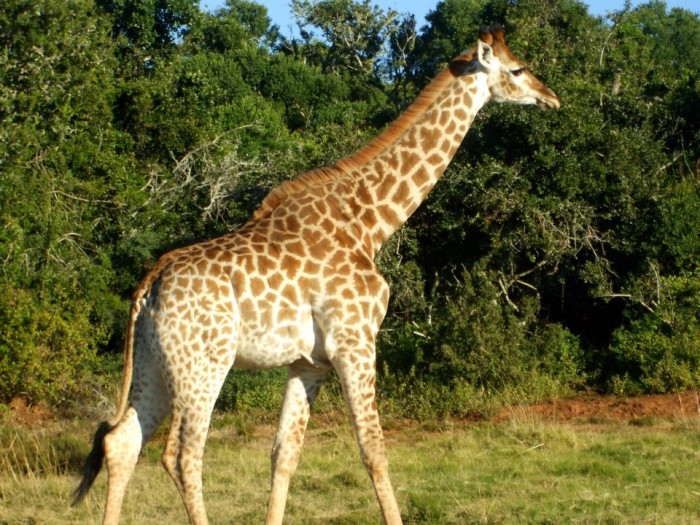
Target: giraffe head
(509,80)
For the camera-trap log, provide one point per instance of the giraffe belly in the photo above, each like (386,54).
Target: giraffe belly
(261,346)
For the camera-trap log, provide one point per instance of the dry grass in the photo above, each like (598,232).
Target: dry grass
(524,470)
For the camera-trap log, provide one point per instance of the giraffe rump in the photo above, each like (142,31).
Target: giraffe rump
(93,463)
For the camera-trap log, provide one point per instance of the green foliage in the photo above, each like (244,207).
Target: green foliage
(452,26)
(354,34)
(479,344)
(659,351)
(150,25)
(559,251)
(61,163)
(47,345)
(246,389)
(566,211)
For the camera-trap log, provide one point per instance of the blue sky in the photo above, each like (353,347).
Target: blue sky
(279,10)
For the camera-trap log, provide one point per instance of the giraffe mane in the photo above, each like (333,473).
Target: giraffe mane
(375,147)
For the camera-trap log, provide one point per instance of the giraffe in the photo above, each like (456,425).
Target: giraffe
(295,286)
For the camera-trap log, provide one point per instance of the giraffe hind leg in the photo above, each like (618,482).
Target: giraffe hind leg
(123,444)
(184,449)
(182,459)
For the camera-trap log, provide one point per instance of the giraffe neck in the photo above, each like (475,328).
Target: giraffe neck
(382,184)
(396,171)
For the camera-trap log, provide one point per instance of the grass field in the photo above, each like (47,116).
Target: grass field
(523,470)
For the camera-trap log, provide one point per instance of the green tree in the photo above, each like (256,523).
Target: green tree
(568,210)
(452,26)
(238,24)
(355,33)
(557,247)
(62,170)
(154,26)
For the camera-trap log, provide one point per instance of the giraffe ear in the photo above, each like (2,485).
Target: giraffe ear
(486,56)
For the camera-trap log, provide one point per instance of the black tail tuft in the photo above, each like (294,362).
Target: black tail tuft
(93,463)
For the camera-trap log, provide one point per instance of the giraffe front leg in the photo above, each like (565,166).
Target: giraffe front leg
(357,372)
(302,387)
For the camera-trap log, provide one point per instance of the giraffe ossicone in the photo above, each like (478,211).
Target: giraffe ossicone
(296,286)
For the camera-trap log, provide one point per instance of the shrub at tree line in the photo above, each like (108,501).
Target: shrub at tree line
(558,253)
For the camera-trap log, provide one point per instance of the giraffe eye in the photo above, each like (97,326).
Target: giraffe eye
(518,72)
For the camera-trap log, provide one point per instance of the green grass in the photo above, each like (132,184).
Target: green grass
(523,471)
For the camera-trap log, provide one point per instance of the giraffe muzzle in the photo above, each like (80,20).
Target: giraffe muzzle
(548,101)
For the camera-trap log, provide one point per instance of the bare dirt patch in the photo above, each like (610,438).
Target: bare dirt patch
(668,406)
(584,408)
(31,416)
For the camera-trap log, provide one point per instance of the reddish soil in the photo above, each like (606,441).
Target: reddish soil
(587,408)
(30,415)
(669,406)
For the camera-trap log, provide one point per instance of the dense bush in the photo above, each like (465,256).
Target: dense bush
(559,252)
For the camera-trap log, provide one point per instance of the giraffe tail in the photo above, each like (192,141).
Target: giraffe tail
(93,462)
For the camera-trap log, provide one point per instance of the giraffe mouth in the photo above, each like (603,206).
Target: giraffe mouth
(548,101)
(547,104)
